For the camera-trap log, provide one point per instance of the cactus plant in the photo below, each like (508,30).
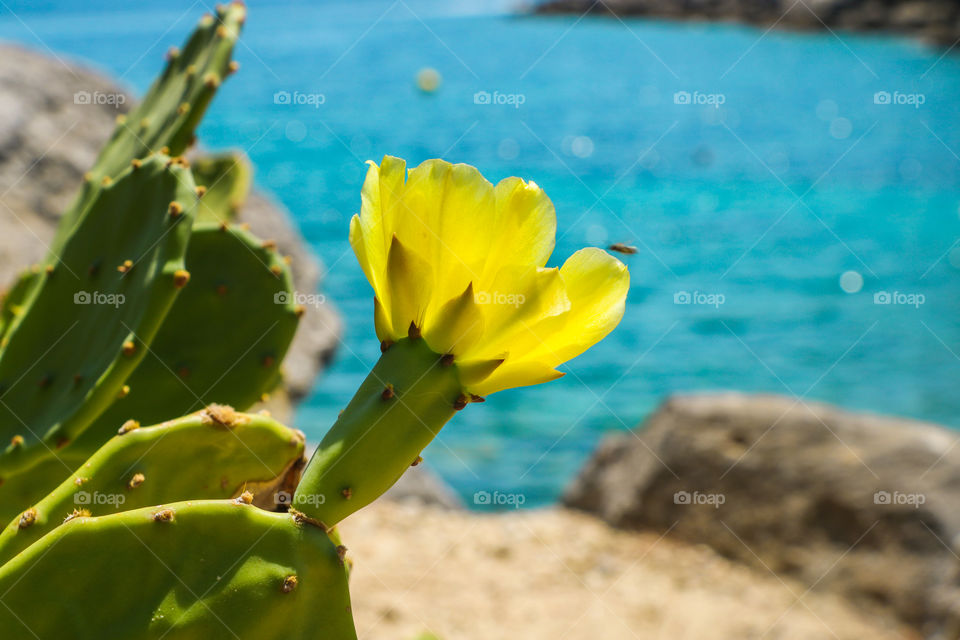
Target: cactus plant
(87,324)
(125,239)
(144,466)
(205,570)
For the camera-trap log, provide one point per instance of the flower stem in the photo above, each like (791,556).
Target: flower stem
(398,410)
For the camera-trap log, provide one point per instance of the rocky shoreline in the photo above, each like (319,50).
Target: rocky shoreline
(934,21)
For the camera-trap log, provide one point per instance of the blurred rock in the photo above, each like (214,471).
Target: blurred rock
(48,139)
(936,21)
(860,504)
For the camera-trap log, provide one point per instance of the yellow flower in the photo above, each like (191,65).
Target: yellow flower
(461,262)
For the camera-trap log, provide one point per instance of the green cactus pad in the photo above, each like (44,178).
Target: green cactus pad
(165,120)
(186,571)
(399,408)
(222,341)
(225,179)
(88,323)
(146,466)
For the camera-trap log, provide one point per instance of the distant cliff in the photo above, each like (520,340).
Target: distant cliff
(935,21)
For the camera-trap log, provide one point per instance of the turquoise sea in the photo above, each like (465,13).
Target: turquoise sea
(786,169)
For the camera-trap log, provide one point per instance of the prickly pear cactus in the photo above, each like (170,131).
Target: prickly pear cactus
(93,339)
(224,180)
(169,113)
(200,570)
(87,325)
(143,466)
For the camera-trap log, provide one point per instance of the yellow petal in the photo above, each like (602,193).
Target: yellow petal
(526,226)
(508,376)
(517,299)
(390,177)
(373,271)
(409,287)
(381,322)
(597,285)
(457,326)
(446,218)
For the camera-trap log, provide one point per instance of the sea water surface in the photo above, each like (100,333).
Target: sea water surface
(751,170)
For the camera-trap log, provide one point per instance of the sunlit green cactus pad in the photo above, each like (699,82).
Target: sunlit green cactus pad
(87,325)
(201,570)
(223,340)
(143,466)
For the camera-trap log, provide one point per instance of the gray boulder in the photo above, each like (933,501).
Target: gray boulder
(856,503)
(48,139)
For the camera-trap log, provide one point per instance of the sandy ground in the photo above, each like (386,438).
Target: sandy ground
(565,576)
